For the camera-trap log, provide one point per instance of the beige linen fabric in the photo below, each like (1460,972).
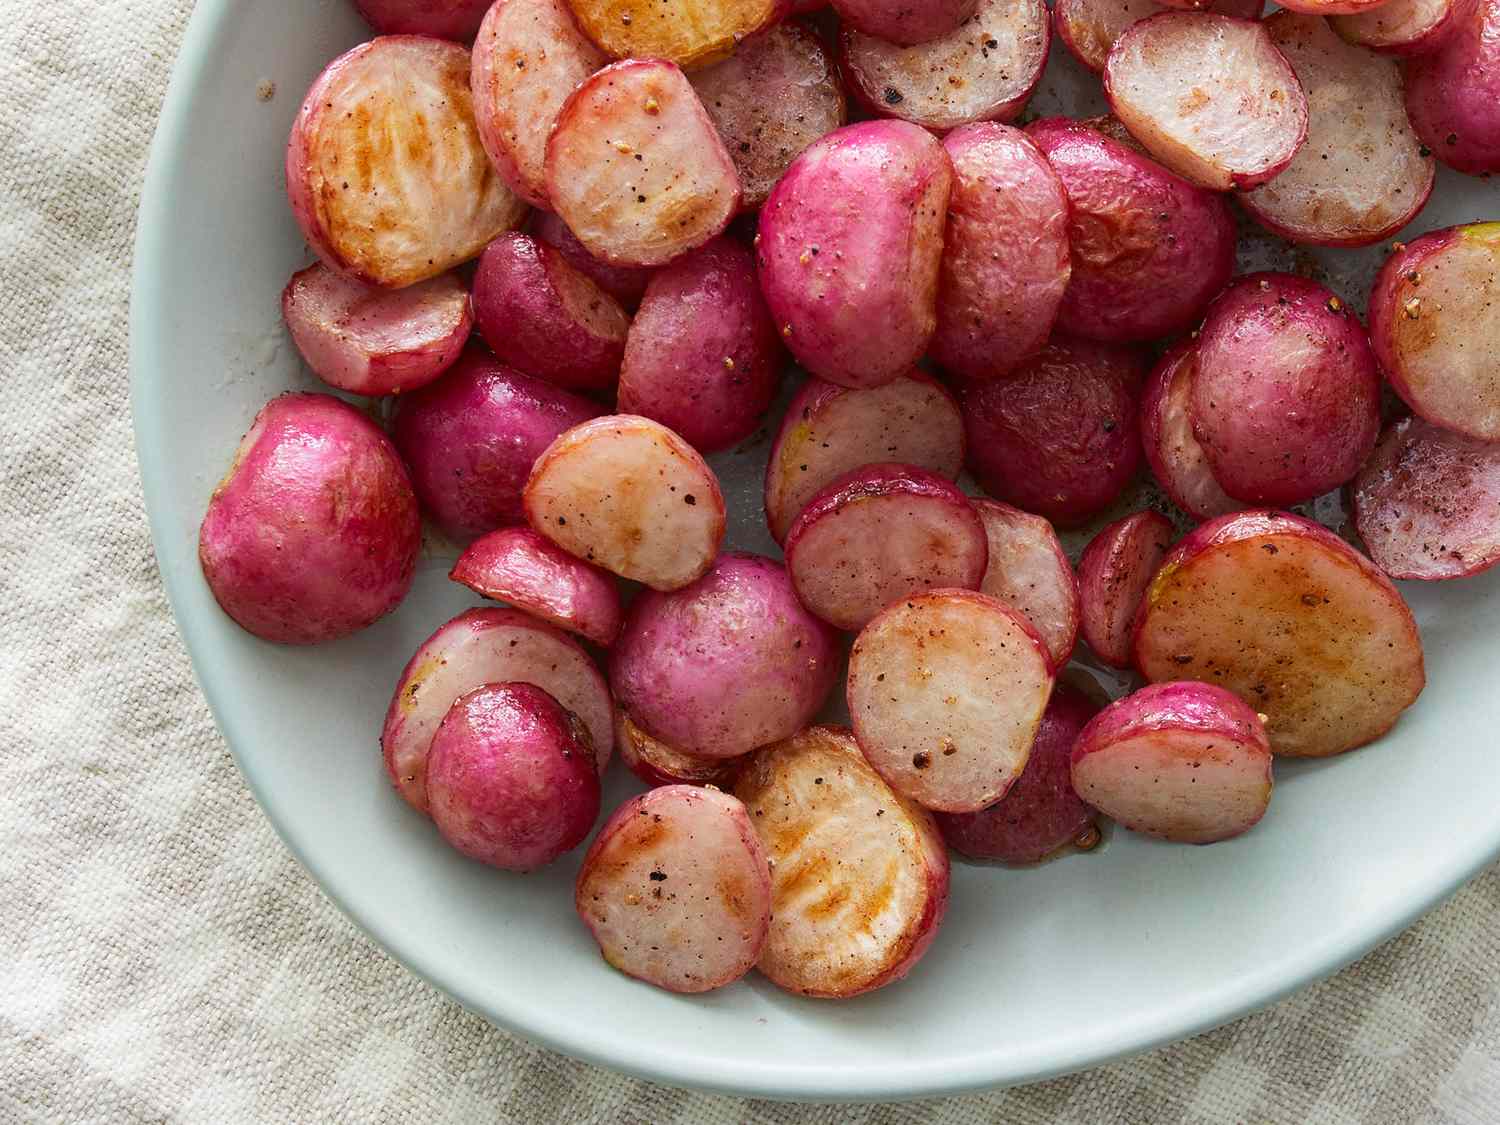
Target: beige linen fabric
(162,957)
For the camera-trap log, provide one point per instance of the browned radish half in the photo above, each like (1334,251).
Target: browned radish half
(1399,27)
(487,646)
(777,94)
(1435,324)
(859,876)
(1363,174)
(1029,572)
(1188,762)
(1290,618)
(880,533)
(899,21)
(540,315)
(511,779)
(628,494)
(384,169)
(518,566)
(1006,260)
(626,284)
(946,690)
(1058,437)
(690,33)
(373,341)
(985,70)
(1113,573)
(1149,249)
(446,19)
(1040,813)
(849,247)
(1286,391)
(1090,27)
(528,58)
(656,763)
(1427,503)
(1453,92)
(1209,96)
(635,167)
(1177,460)
(676,889)
(829,430)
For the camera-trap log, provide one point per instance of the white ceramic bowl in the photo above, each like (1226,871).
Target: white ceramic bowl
(1035,973)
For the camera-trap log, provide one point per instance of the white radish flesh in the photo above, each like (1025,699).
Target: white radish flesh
(636,168)
(859,876)
(946,690)
(676,889)
(629,495)
(1029,572)
(1209,96)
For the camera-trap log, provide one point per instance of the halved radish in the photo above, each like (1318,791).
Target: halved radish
(628,494)
(1041,812)
(1058,437)
(446,19)
(983,71)
(1427,503)
(1290,618)
(728,664)
(541,316)
(518,566)
(1149,249)
(1006,260)
(849,247)
(946,690)
(511,779)
(1091,27)
(1400,27)
(1116,567)
(829,430)
(1286,391)
(880,533)
(676,889)
(1187,762)
(384,170)
(528,58)
(656,763)
(900,21)
(625,284)
(470,438)
(372,341)
(702,356)
(487,646)
(1453,93)
(690,33)
(1029,572)
(777,94)
(1210,96)
(1362,175)
(635,167)
(1177,460)
(859,876)
(1435,324)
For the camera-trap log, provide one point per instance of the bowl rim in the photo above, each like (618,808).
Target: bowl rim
(595,1041)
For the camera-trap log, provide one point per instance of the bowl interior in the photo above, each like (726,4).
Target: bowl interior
(1037,971)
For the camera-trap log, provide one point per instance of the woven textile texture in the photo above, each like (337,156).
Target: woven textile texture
(164,958)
